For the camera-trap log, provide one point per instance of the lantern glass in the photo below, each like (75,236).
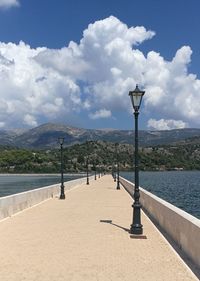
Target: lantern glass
(61,140)
(136,97)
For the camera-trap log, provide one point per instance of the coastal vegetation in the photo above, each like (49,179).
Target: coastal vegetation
(184,155)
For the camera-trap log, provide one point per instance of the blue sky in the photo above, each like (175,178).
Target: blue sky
(85,83)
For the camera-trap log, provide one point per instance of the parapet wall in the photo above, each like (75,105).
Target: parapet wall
(12,204)
(181,227)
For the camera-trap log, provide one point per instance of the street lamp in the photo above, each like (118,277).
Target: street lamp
(62,187)
(95,172)
(87,165)
(99,170)
(114,167)
(136,227)
(95,166)
(117,158)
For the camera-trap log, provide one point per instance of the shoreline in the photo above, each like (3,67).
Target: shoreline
(42,175)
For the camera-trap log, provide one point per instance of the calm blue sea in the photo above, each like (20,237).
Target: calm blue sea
(181,188)
(11,184)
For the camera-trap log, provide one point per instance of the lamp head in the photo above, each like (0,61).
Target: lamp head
(61,140)
(136,97)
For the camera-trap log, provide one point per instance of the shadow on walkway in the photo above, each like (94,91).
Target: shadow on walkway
(110,222)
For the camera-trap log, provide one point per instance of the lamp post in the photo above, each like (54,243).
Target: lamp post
(136,227)
(114,167)
(87,160)
(95,167)
(95,172)
(62,187)
(117,171)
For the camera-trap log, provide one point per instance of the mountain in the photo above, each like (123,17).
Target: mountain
(8,137)
(46,136)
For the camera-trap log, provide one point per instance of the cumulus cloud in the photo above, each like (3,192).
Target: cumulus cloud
(163,124)
(102,113)
(5,4)
(2,124)
(30,92)
(95,76)
(30,120)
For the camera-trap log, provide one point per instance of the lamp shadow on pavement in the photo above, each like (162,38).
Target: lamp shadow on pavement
(116,225)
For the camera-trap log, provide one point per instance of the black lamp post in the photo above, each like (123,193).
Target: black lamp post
(95,166)
(117,158)
(114,168)
(136,227)
(62,187)
(95,172)
(87,160)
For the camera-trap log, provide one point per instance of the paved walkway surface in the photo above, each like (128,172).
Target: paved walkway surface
(68,240)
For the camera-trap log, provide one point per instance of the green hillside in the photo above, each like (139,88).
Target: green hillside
(183,155)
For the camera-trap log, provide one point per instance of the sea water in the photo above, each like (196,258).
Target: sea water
(12,184)
(180,188)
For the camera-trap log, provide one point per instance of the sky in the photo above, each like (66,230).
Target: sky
(74,62)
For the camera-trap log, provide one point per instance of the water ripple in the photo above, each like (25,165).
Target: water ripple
(181,189)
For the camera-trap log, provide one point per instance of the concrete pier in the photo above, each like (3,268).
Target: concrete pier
(85,238)
(181,228)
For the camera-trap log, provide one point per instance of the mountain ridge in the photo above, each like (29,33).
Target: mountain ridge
(46,136)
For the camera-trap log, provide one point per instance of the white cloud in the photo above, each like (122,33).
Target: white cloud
(166,124)
(30,92)
(8,3)
(2,124)
(93,75)
(102,113)
(30,120)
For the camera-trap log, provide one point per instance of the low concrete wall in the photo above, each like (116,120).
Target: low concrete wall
(12,204)
(180,226)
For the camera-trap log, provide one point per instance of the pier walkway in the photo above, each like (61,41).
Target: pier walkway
(85,238)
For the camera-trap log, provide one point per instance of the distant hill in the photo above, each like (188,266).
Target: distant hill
(46,136)
(183,155)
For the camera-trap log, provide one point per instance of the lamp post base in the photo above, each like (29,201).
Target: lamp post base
(62,191)
(62,196)
(136,229)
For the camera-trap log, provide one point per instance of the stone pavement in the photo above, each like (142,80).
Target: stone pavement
(70,240)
